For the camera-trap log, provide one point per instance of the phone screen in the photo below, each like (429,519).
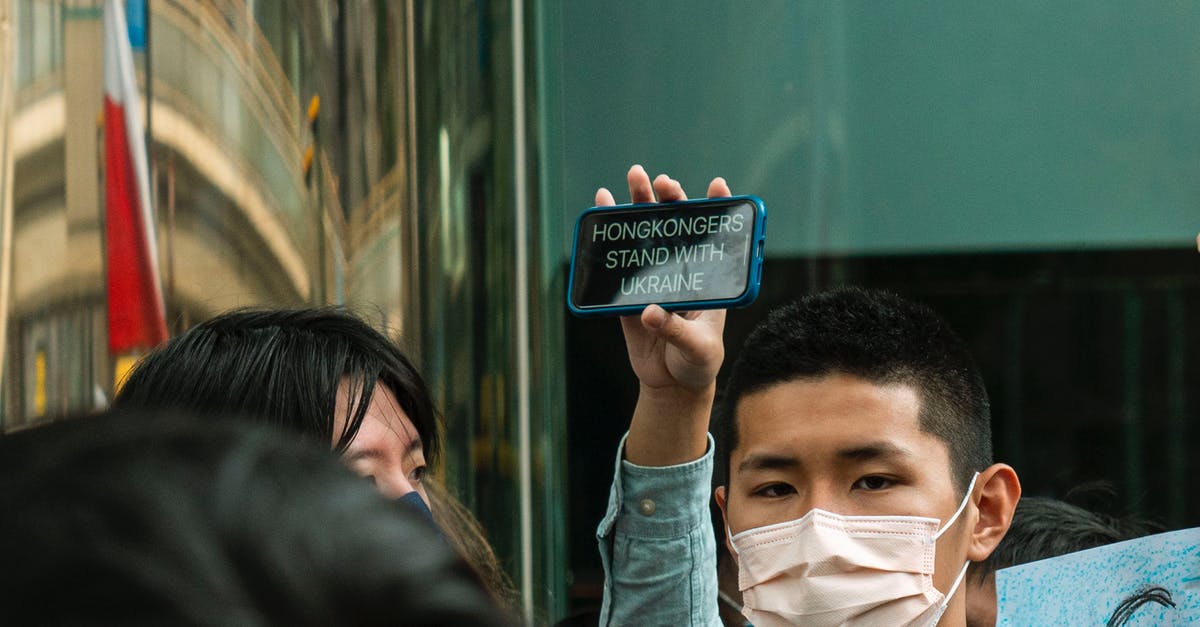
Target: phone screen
(672,253)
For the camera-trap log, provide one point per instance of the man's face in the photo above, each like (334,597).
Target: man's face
(847,446)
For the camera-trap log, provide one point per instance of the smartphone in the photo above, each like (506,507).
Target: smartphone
(684,255)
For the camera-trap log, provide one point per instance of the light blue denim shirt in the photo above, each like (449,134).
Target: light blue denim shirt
(657,546)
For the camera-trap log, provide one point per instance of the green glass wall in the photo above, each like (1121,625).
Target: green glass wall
(894,127)
(491,323)
(1026,169)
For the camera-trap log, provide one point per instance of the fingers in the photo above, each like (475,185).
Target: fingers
(663,188)
(655,317)
(668,189)
(694,338)
(604,198)
(718,188)
(640,189)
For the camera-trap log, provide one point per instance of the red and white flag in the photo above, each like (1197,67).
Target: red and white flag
(135,304)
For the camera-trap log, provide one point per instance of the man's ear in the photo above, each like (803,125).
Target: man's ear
(720,496)
(996,499)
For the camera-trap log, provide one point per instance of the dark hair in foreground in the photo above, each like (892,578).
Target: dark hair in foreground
(1043,528)
(125,520)
(881,338)
(283,367)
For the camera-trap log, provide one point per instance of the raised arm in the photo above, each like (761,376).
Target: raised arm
(656,540)
(675,357)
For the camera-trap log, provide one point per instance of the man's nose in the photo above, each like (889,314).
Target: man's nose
(818,497)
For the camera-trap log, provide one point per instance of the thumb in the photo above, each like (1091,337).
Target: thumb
(693,338)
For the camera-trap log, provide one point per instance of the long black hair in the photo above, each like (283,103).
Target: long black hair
(283,367)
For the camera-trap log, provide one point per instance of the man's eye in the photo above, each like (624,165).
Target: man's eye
(872,483)
(775,490)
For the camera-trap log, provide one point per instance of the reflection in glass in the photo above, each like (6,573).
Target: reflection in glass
(294,161)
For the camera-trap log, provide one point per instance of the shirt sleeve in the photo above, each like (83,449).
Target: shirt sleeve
(657,545)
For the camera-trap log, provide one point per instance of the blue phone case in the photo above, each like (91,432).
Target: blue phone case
(754,266)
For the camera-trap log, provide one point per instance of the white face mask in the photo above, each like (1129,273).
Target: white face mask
(827,569)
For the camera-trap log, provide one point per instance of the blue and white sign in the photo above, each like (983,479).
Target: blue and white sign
(1153,580)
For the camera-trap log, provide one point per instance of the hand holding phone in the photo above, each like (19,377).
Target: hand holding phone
(682,255)
(676,356)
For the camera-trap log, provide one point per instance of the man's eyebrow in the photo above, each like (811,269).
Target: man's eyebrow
(768,461)
(873,451)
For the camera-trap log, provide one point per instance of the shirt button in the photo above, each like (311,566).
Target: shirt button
(646,507)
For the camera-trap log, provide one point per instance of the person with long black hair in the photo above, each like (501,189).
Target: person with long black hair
(325,375)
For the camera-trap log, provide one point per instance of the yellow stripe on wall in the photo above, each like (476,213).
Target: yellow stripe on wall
(39,383)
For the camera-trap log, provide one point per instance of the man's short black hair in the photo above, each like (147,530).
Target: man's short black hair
(282,367)
(881,338)
(159,520)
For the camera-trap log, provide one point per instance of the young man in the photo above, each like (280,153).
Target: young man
(856,448)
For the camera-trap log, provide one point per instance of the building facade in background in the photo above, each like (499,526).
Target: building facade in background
(302,153)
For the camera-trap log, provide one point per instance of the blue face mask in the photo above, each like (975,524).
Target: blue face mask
(414,500)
